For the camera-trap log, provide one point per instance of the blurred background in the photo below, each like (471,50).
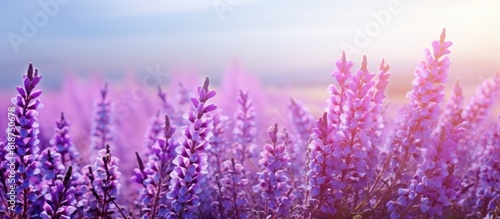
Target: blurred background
(280,42)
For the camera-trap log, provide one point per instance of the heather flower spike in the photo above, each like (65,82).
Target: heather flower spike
(235,203)
(191,162)
(101,130)
(434,188)
(245,131)
(273,181)
(103,177)
(61,142)
(302,120)
(425,98)
(154,175)
(26,138)
(342,75)
(60,200)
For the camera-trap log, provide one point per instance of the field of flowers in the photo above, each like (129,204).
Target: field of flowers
(202,157)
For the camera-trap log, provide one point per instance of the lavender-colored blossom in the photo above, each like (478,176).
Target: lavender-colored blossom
(433,189)
(191,162)
(475,114)
(353,141)
(154,175)
(303,121)
(60,200)
(378,110)
(321,195)
(423,112)
(50,164)
(26,138)
(61,143)
(102,126)
(488,192)
(342,74)
(273,181)
(454,104)
(154,131)
(245,131)
(218,152)
(103,185)
(235,203)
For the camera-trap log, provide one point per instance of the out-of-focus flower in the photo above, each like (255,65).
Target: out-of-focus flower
(153,132)
(191,161)
(245,131)
(475,114)
(102,126)
(303,121)
(61,143)
(273,181)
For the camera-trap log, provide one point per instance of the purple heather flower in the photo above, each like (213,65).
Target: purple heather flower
(245,131)
(423,111)
(101,130)
(320,168)
(435,185)
(342,74)
(233,188)
(218,152)
(475,113)
(454,104)
(154,175)
(488,192)
(301,119)
(477,109)
(60,200)
(273,181)
(353,141)
(26,137)
(61,143)
(377,113)
(103,185)
(51,166)
(154,131)
(191,162)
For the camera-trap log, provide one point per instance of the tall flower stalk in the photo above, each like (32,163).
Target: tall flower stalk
(302,120)
(26,131)
(191,162)
(273,181)
(154,175)
(245,131)
(101,131)
(103,185)
(425,99)
(61,142)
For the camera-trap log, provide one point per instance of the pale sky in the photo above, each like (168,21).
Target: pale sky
(279,41)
